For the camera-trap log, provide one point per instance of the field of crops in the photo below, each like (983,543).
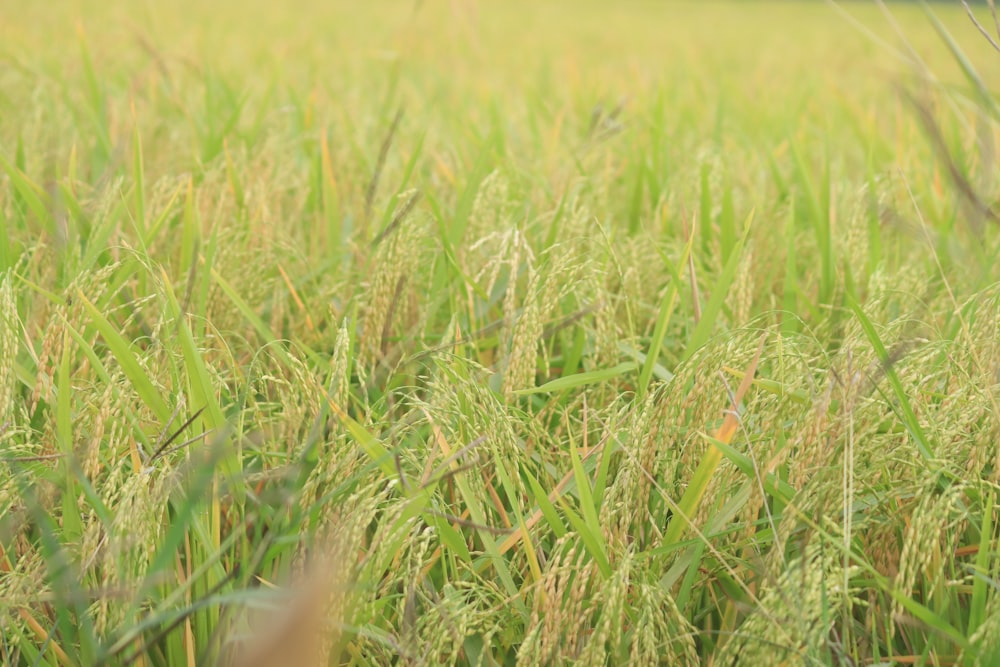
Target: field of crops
(525,333)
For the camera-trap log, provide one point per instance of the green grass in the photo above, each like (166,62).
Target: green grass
(499,334)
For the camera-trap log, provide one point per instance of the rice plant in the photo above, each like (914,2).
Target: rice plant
(499,334)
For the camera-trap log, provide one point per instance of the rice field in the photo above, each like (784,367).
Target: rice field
(461,333)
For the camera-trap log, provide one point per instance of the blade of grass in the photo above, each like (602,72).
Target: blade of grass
(259,325)
(977,606)
(545,508)
(201,391)
(705,217)
(7,247)
(908,417)
(138,182)
(512,494)
(591,542)
(97,109)
(920,612)
(819,218)
(478,515)
(122,351)
(31,195)
(985,96)
(666,309)
(72,522)
(703,331)
(593,534)
(688,504)
(74,627)
(773,484)
(581,379)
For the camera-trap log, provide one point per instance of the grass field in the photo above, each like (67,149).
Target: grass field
(515,333)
